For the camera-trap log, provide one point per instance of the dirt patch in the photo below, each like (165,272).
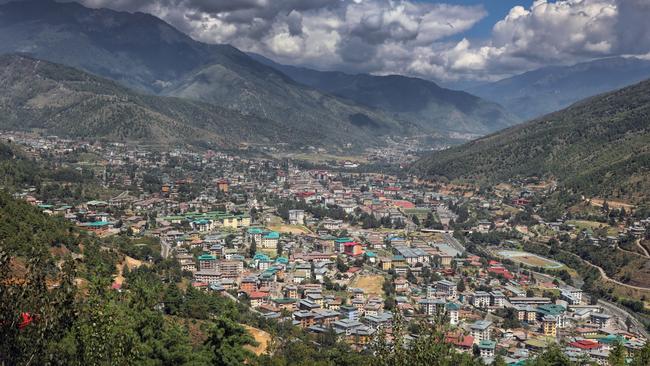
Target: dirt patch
(131,263)
(612,204)
(371,284)
(290,229)
(261,337)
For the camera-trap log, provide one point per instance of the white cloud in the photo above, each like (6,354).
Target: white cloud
(408,36)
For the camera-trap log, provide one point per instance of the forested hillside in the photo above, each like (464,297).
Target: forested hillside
(600,146)
(60,100)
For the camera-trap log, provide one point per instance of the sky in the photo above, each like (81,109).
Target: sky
(447,41)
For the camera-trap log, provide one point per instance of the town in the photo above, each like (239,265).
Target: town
(346,251)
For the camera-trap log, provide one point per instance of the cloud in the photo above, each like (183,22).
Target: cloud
(409,36)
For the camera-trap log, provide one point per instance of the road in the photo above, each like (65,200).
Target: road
(165,248)
(622,314)
(453,242)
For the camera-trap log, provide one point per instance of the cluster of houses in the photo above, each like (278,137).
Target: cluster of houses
(384,248)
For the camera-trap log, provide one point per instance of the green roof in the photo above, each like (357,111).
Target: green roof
(272,235)
(207,257)
(486,344)
(96,224)
(551,309)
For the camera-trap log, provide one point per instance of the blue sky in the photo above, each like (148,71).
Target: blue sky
(496,9)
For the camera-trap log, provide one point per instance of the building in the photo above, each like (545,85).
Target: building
(448,288)
(453,313)
(549,325)
(432,307)
(231,268)
(486,348)
(481,299)
(210,276)
(270,240)
(498,299)
(601,320)
(297,217)
(207,262)
(481,330)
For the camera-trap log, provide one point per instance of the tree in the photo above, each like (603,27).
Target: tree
(461,285)
(340,265)
(617,355)
(253,248)
(227,340)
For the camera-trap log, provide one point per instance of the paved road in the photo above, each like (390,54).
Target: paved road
(165,248)
(453,242)
(622,314)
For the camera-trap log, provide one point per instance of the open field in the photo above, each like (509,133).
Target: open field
(530,259)
(289,229)
(371,284)
(593,225)
(261,337)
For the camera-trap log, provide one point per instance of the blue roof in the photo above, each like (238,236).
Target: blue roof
(272,235)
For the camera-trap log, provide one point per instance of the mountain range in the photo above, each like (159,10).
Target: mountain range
(599,146)
(538,92)
(431,107)
(143,52)
(36,94)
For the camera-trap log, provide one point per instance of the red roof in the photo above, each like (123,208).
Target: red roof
(585,344)
(502,271)
(465,341)
(403,204)
(257,295)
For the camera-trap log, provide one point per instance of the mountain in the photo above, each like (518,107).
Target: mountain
(144,52)
(61,100)
(600,146)
(422,102)
(549,89)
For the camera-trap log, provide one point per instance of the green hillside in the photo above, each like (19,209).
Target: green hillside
(60,100)
(600,146)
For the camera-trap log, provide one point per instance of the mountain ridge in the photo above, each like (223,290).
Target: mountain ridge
(598,146)
(432,107)
(538,92)
(37,94)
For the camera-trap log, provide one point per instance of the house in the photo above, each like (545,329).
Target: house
(486,348)
(353,249)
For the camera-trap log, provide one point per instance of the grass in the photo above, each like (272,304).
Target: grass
(593,225)
(371,284)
